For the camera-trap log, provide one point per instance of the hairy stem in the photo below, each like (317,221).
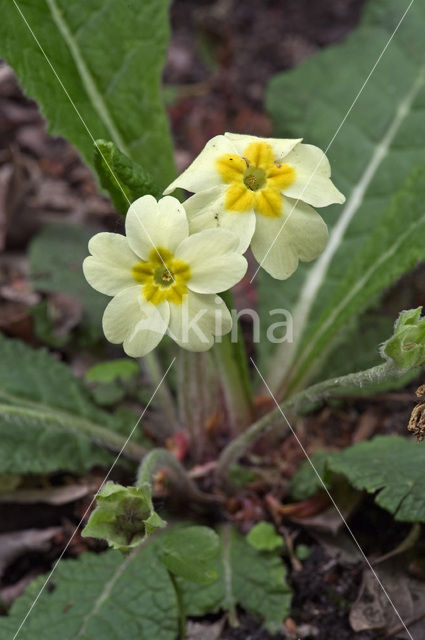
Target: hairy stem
(305,399)
(238,402)
(160,459)
(234,373)
(198,396)
(164,398)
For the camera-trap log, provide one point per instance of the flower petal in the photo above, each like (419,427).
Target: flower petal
(214,264)
(202,173)
(150,224)
(268,202)
(312,183)
(238,198)
(108,269)
(259,153)
(281,146)
(138,324)
(206,210)
(279,243)
(195,322)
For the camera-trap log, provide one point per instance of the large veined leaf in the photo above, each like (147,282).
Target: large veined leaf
(107,59)
(390,466)
(47,421)
(393,248)
(380,143)
(106,596)
(247,577)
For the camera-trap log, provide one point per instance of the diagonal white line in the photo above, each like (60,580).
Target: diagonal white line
(83,122)
(46,582)
(371,72)
(334,503)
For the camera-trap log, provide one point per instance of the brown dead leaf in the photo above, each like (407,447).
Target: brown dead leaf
(15,543)
(65,313)
(204,630)
(373,610)
(340,547)
(16,320)
(305,509)
(54,495)
(9,594)
(366,427)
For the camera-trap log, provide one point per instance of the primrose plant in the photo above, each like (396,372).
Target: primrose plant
(165,273)
(172,271)
(170,281)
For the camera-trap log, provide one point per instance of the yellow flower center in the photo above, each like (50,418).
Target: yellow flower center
(255,180)
(163,277)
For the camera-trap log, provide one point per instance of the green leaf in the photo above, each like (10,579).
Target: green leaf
(111,380)
(56,256)
(112,370)
(372,242)
(305,482)
(109,59)
(393,248)
(47,421)
(263,537)
(44,326)
(302,551)
(190,552)
(100,596)
(392,467)
(247,577)
(124,179)
(106,395)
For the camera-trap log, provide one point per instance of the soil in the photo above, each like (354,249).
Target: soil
(221,57)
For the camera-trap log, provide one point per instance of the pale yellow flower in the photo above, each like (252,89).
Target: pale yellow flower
(262,189)
(163,280)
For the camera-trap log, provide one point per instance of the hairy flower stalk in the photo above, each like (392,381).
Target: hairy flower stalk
(275,420)
(162,459)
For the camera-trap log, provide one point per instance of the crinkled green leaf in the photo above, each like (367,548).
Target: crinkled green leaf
(56,256)
(47,421)
(104,596)
(263,537)
(247,577)
(124,179)
(109,58)
(390,466)
(191,552)
(372,242)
